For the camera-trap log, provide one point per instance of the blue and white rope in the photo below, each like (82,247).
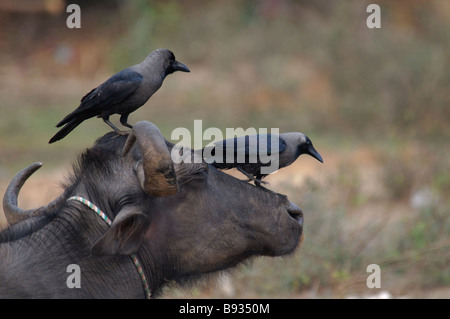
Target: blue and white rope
(133,257)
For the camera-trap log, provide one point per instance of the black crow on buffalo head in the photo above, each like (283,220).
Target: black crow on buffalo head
(257,156)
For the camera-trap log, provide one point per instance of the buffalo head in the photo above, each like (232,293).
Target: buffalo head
(182,220)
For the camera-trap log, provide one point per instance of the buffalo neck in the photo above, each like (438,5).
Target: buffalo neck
(63,239)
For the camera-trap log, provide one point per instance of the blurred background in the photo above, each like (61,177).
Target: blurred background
(375,103)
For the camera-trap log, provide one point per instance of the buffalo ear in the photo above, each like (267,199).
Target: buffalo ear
(125,235)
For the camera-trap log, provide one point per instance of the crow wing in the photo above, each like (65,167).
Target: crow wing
(249,146)
(113,91)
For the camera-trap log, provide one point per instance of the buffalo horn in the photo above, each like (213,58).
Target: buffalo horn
(12,212)
(157,176)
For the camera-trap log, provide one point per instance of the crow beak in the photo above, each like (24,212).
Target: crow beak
(312,151)
(178,66)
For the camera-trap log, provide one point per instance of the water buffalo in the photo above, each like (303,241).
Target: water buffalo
(180,221)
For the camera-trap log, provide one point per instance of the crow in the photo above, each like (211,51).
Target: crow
(257,156)
(123,93)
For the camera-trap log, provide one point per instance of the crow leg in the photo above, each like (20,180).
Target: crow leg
(107,121)
(124,120)
(258,182)
(251,178)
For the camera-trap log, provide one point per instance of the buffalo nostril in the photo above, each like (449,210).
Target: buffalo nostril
(295,212)
(298,216)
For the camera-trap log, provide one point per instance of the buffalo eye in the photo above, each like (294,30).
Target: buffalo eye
(135,167)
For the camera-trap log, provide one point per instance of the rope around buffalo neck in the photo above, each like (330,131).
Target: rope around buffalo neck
(133,257)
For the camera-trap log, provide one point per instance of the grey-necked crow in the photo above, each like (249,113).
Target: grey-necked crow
(257,156)
(123,93)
